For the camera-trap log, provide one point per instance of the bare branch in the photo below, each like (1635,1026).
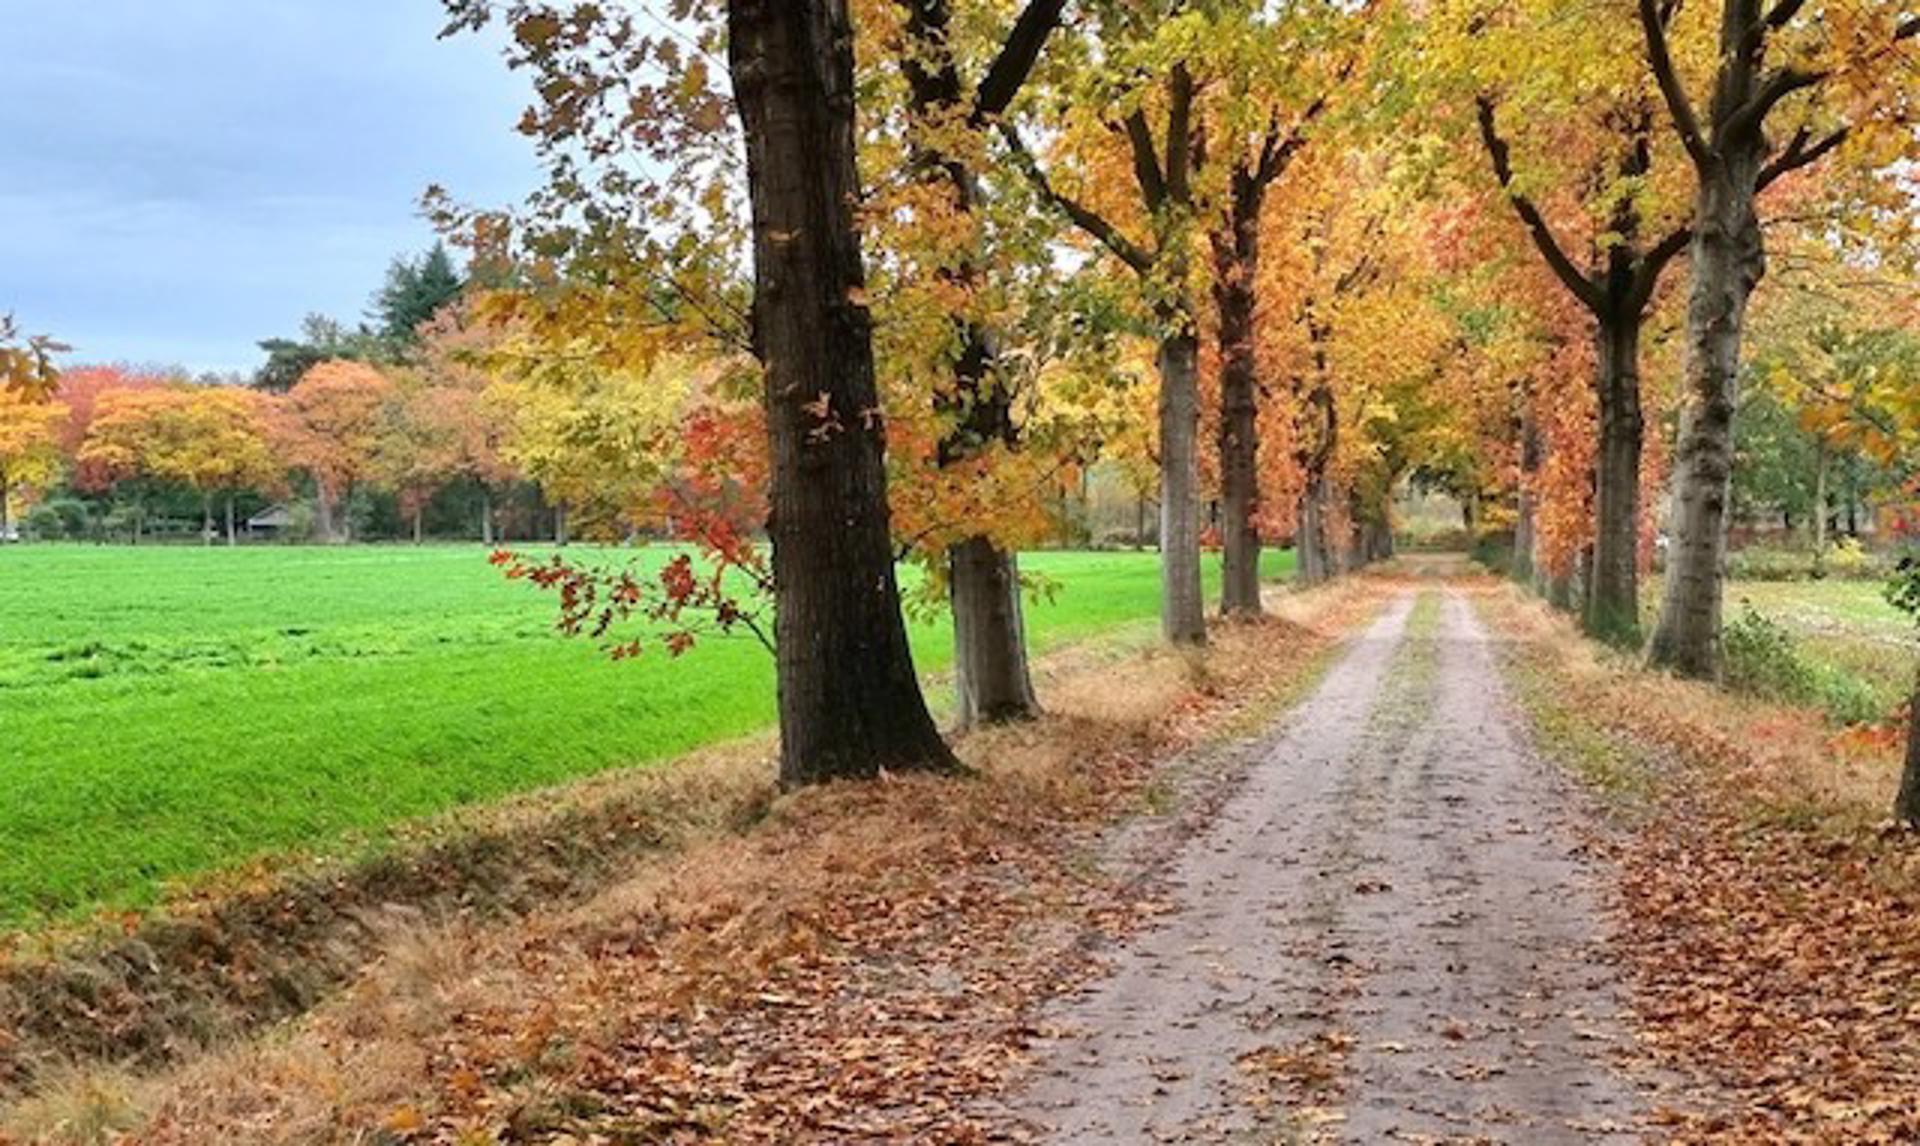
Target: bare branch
(1017,57)
(1660,58)
(1802,151)
(1083,217)
(1146,161)
(1647,269)
(1563,267)
(1752,115)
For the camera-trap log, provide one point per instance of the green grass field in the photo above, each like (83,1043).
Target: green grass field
(1840,626)
(166,712)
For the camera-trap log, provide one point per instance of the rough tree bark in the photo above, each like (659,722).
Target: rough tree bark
(1613,599)
(1182,609)
(1733,162)
(992,678)
(1313,566)
(850,704)
(991,671)
(1236,258)
(1525,526)
(1727,265)
(1314,556)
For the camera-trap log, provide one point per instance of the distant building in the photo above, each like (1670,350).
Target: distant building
(269,522)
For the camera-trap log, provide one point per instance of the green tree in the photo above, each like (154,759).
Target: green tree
(322,339)
(415,291)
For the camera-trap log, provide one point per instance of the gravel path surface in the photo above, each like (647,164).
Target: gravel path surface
(1389,934)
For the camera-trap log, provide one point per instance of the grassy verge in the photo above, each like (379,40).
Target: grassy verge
(168,712)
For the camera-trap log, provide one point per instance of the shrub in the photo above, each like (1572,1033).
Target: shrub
(58,519)
(1851,560)
(1492,549)
(1763,659)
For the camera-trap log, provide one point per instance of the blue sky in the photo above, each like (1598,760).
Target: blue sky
(179,180)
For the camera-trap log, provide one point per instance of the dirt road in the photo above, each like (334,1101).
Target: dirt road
(1390,934)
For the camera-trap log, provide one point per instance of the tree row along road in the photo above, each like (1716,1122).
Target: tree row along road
(1390,933)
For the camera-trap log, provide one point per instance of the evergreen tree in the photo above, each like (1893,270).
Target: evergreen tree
(415,290)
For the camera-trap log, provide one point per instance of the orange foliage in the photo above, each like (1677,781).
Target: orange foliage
(329,423)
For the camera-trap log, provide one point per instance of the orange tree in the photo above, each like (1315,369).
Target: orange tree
(26,361)
(453,344)
(328,425)
(1122,170)
(949,325)
(217,444)
(211,439)
(1565,120)
(1277,76)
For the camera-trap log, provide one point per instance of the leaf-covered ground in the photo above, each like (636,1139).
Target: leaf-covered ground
(1770,913)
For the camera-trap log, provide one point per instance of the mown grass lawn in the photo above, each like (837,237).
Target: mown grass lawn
(169,711)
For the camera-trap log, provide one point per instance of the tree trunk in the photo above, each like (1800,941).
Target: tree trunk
(991,673)
(1236,256)
(1314,559)
(6,522)
(1560,591)
(1727,262)
(560,523)
(1820,510)
(419,531)
(486,517)
(1140,521)
(206,518)
(232,538)
(322,513)
(1906,806)
(1182,610)
(990,646)
(990,643)
(850,704)
(1525,529)
(1613,606)
(1356,532)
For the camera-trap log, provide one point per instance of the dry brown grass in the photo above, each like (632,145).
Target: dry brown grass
(859,962)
